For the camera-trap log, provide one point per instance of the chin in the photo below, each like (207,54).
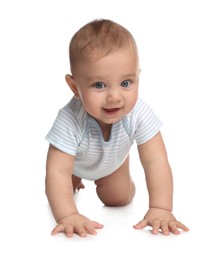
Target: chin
(112,121)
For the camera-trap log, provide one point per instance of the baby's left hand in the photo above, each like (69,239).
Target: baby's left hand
(160,219)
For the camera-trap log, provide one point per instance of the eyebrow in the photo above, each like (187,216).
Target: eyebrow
(131,75)
(99,78)
(94,78)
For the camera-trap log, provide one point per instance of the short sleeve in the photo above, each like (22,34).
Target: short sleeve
(147,124)
(65,133)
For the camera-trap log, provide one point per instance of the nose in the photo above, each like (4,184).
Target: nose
(113,96)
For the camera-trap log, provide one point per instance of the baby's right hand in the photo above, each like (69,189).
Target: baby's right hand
(78,224)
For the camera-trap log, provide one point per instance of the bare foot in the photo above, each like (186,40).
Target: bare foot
(79,186)
(77,183)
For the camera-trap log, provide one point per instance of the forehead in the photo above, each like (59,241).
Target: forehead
(97,54)
(117,62)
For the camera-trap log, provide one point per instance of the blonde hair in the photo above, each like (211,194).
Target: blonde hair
(97,39)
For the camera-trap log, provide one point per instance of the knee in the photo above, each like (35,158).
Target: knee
(117,202)
(117,198)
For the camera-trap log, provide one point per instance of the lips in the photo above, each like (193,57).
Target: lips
(111,110)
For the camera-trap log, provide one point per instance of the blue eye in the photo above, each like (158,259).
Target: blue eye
(126,83)
(99,85)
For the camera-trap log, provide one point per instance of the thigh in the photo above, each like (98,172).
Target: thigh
(116,189)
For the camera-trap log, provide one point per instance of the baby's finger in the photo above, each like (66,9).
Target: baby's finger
(164,227)
(96,225)
(80,230)
(156,226)
(142,224)
(173,228)
(181,226)
(59,228)
(90,229)
(69,230)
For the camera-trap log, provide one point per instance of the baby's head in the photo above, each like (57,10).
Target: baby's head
(98,39)
(105,70)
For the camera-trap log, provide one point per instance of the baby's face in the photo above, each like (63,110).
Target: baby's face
(108,87)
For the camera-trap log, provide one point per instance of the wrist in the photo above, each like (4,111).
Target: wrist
(58,219)
(161,208)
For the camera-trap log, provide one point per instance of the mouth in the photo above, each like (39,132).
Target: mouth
(111,111)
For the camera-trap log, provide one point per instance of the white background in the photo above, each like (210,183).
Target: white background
(179,54)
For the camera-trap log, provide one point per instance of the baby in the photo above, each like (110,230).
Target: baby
(92,135)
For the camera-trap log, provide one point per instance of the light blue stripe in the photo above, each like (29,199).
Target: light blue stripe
(75,132)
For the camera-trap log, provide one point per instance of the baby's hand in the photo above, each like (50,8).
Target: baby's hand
(161,219)
(78,224)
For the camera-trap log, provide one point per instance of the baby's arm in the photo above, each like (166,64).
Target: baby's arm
(59,191)
(159,181)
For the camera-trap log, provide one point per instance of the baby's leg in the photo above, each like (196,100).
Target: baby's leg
(77,183)
(116,189)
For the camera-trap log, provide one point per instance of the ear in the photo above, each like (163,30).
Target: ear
(72,84)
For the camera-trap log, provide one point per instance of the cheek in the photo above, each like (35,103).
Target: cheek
(90,101)
(132,104)
(134,95)
(132,101)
